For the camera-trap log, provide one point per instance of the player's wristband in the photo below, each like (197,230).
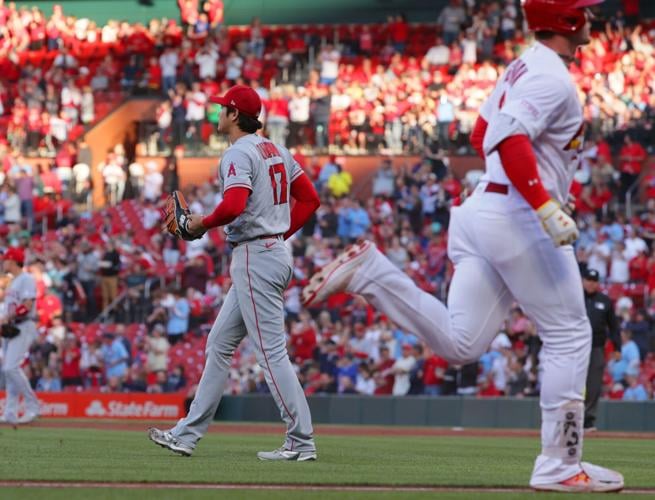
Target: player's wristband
(547,209)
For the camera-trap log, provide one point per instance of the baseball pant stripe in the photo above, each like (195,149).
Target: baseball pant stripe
(259,334)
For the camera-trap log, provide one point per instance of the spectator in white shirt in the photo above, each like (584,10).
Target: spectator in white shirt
(298,116)
(206,59)
(233,66)
(469,49)
(401,369)
(195,111)
(168,64)
(619,264)
(64,59)
(329,58)
(599,255)
(365,383)
(11,205)
(451,19)
(164,117)
(438,54)
(634,245)
(153,182)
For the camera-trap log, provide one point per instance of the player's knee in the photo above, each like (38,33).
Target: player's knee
(574,339)
(222,353)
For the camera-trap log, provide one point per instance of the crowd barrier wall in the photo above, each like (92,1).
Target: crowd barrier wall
(445,411)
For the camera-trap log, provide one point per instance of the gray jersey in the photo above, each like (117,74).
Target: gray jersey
(21,288)
(267,170)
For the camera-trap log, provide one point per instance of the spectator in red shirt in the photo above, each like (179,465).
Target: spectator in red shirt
(639,268)
(631,10)
(399,32)
(215,13)
(632,157)
(277,123)
(303,339)
(434,369)
(71,374)
(384,379)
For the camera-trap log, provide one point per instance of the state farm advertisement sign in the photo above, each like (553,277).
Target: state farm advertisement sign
(119,406)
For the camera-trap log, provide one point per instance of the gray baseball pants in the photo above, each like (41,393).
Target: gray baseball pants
(260,271)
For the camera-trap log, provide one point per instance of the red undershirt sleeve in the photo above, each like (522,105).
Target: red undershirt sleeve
(520,164)
(233,204)
(306,202)
(477,136)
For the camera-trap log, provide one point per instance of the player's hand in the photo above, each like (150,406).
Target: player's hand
(559,226)
(194,224)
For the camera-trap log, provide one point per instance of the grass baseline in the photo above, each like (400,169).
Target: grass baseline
(449,461)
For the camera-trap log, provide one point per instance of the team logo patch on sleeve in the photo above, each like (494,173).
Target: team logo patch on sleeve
(231,171)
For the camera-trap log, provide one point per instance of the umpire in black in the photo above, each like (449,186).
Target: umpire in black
(604,325)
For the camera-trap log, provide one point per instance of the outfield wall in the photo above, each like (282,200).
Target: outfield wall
(448,411)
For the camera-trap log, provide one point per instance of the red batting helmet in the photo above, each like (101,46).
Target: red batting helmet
(16,254)
(559,16)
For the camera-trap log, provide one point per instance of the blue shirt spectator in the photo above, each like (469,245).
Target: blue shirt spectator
(178,318)
(629,354)
(115,356)
(328,170)
(401,339)
(353,222)
(614,231)
(616,368)
(48,383)
(360,222)
(635,392)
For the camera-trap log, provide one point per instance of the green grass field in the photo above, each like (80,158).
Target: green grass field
(46,454)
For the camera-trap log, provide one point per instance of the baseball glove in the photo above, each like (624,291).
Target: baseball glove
(175,215)
(9,331)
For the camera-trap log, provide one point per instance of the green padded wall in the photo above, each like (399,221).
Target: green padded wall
(501,413)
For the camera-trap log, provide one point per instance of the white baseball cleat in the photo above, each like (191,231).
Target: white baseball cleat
(282,454)
(336,275)
(166,440)
(592,479)
(27,418)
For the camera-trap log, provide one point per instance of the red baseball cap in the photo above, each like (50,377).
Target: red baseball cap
(17,254)
(242,98)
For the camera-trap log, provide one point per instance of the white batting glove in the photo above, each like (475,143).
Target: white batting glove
(559,226)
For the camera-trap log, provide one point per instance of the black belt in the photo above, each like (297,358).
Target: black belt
(493,187)
(235,244)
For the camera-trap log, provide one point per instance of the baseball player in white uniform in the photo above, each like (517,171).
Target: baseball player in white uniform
(511,240)
(19,310)
(258,179)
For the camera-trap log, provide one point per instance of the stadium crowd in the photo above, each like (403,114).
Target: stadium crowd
(158,295)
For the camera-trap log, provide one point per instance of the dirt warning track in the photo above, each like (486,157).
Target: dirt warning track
(278,487)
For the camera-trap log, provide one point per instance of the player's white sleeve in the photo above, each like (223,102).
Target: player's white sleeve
(236,170)
(531,102)
(504,126)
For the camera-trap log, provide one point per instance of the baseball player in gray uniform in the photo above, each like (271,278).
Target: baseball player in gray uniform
(18,310)
(258,179)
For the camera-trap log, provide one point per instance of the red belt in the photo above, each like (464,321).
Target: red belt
(235,244)
(493,187)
